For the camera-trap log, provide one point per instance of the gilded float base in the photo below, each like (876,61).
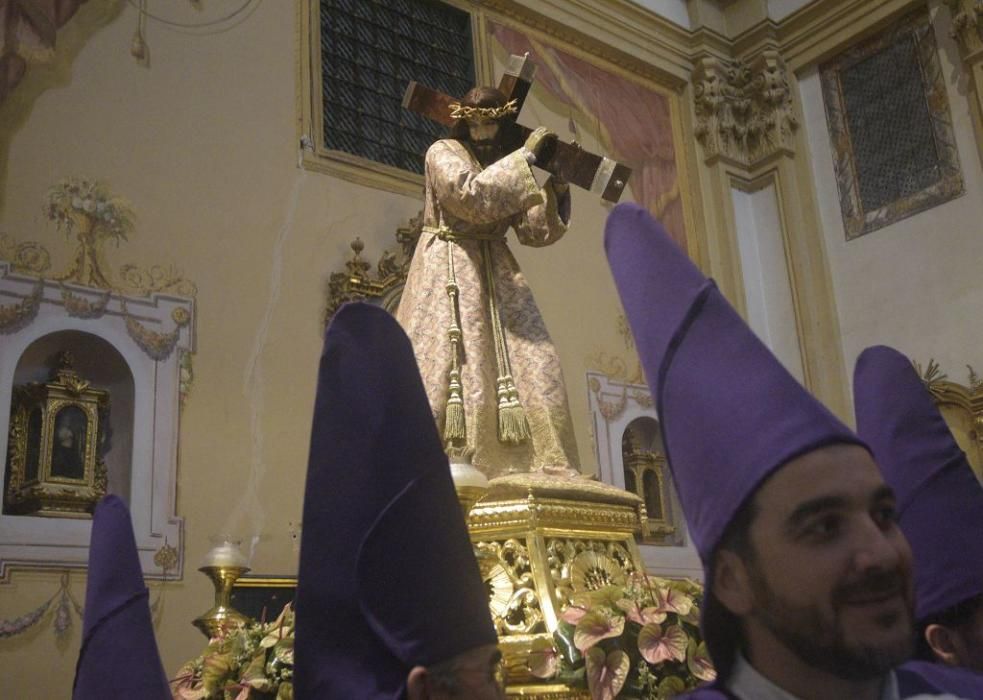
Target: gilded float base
(539,540)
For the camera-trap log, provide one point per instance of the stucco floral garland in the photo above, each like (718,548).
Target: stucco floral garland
(63,612)
(80,307)
(13,317)
(158,345)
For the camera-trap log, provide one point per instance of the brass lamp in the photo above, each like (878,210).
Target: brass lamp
(223,564)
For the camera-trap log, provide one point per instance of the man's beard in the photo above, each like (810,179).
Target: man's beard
(487,151)
(822,641)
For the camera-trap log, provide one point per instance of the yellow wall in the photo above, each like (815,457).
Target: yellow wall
(204,145)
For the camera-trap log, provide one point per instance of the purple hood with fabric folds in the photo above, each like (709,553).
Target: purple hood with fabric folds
(119,656)
(930,475)
(729,413)
(388,578)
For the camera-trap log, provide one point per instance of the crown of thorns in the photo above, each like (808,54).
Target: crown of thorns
(459,111)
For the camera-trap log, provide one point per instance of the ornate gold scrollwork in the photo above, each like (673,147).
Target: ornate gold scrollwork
(507,572)
(385,285)
(166,557)
(579,565)
(961,406)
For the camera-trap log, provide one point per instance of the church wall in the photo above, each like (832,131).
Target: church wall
(768,294)
(780,9)
(204,146)
(914,284)
(673,10)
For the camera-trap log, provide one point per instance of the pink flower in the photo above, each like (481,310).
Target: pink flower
(698,661)
(595,626)
(606,673)
(656,645)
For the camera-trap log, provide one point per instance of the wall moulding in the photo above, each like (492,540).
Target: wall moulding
(821,29)
(151,451)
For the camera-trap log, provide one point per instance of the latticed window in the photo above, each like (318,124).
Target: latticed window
(370,50)
(894,149)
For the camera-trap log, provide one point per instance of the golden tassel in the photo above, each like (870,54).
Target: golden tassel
(513,426)
(455,427)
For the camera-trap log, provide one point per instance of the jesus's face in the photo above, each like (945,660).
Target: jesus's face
(482,131)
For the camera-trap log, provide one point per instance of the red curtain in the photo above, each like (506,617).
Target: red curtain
(633,121)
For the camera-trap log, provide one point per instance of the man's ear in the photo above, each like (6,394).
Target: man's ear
(945,644)
(418,684)
(732,582)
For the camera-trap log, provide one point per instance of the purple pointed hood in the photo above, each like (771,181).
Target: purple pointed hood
(729,413)
(119,656)
(930,475)
(388,578)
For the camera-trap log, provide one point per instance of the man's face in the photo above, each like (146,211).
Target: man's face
(830,573)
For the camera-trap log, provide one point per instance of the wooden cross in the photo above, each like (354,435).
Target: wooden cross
(567,161)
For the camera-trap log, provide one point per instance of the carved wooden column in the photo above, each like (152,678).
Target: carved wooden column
(747,127)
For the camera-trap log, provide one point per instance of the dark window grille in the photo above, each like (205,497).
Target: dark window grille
(890,125)
(894,148)
(370,50)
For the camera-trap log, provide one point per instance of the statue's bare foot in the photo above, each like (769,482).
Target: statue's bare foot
(566,473)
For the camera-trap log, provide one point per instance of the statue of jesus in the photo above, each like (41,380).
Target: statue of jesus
(491,372)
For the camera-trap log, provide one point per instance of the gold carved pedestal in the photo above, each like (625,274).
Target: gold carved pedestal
(539,540)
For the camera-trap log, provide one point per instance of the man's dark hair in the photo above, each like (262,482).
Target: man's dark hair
(955,617)
(722,630)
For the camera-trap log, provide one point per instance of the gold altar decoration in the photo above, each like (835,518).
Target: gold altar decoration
(55,433)
(645,475)
(962,407)
(383,286)
(540,540)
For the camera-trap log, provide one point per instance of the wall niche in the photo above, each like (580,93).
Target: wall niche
(136,348)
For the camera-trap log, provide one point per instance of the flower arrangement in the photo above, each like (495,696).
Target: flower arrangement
(250,662)
(73,200)
(637,640)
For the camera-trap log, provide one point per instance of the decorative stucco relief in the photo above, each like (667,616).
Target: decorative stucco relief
(744,108)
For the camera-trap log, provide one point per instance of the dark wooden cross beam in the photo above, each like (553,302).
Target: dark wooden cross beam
(567,161)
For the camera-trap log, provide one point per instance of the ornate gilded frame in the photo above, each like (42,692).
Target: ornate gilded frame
(858,221)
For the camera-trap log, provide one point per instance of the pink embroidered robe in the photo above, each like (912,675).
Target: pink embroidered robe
(463,200)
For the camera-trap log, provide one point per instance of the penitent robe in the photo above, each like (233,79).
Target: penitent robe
(467,213)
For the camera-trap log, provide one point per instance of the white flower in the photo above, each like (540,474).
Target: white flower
(76,202)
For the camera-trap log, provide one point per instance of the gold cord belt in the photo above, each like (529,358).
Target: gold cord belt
(513,427)
(446,234)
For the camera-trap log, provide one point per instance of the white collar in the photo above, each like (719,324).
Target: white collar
(748,684)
